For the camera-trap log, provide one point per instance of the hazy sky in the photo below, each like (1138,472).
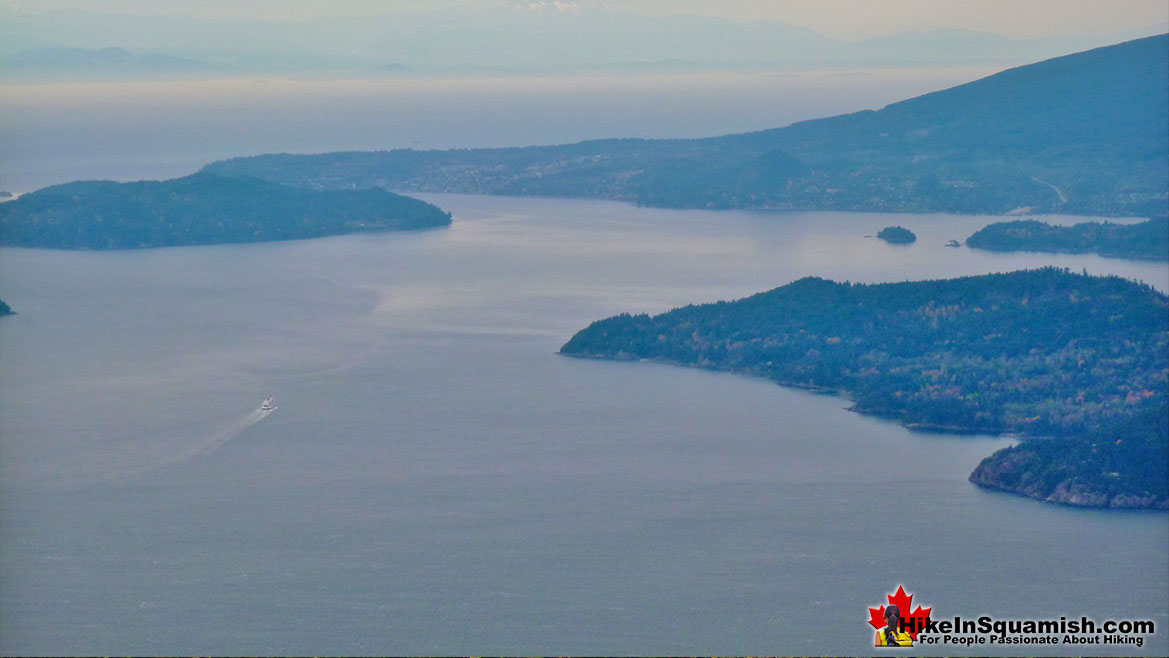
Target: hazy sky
(847,19)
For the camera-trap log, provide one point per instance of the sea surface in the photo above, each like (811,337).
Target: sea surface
(438,480)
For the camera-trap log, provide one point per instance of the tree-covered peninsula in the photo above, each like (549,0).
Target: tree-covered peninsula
(5,309)
(200,209)
(1044,354)
(1146,240)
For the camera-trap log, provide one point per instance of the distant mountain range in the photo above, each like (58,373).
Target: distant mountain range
(1080,134)
(495,40)
(68,64)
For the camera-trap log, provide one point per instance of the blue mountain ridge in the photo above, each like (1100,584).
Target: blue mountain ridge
(1079,134)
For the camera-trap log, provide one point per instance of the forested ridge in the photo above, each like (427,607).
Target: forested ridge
(1039,353)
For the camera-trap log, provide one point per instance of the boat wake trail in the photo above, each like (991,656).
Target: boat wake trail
(202,448)
(217,440)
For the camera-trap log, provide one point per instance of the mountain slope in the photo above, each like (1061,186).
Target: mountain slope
(1084,133)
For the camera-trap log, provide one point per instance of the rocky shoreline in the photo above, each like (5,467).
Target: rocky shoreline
(1009,471)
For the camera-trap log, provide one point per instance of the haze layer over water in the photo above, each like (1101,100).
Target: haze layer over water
(54,133)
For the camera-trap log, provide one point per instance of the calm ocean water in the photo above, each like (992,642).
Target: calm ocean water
(437,480)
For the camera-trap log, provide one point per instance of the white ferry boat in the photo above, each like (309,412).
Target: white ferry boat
(268,405)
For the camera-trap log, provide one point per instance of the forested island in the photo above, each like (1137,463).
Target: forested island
(5,309)
(200,209)
(1065,360)
(897,235)
(1146,240)
(1080,134)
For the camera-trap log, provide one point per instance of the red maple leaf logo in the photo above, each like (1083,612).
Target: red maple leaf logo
(913,622)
